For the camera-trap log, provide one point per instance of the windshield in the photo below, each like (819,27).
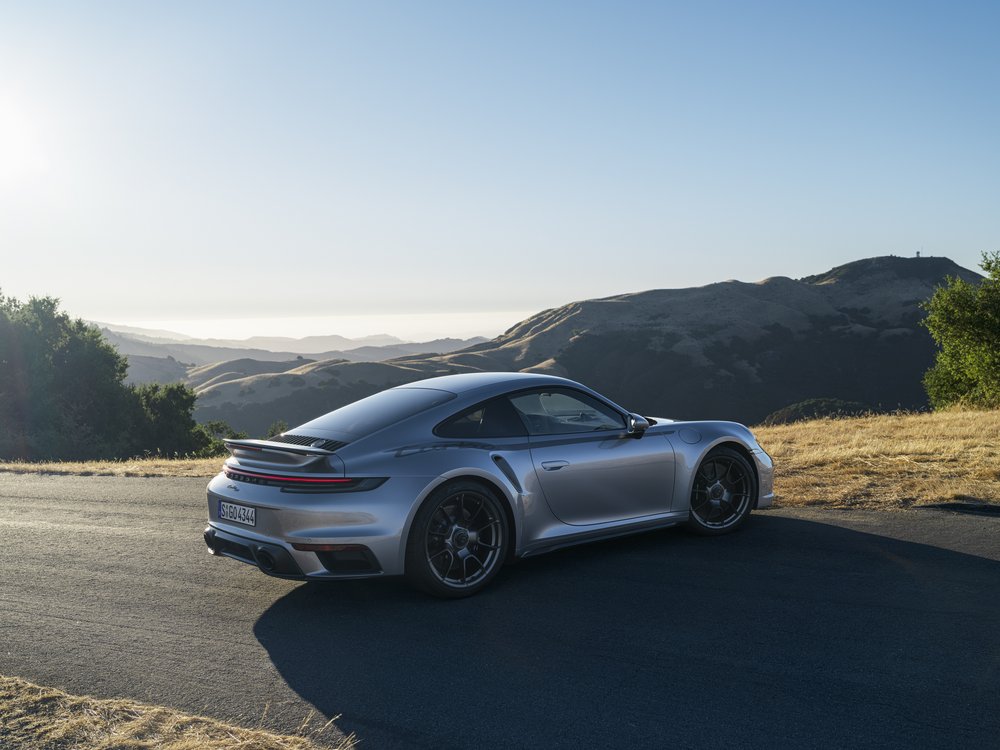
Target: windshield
(380,410)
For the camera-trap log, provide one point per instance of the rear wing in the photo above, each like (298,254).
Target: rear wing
(269,446)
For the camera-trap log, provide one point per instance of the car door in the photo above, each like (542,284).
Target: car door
(590,470)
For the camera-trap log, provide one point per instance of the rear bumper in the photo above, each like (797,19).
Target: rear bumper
(272,559)
(372,522)
(281,560)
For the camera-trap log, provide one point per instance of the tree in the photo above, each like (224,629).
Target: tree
(964,320)
(63,393)
(61,386)
(215,431)
(169,428)
(277,427)
(816,408)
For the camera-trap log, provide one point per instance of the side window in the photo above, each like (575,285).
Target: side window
(495,418)
(555,412)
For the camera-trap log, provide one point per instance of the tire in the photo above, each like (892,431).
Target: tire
(723,493)
(458,541)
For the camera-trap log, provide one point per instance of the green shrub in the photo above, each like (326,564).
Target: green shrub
(63,394)
(964,320)
(816,408)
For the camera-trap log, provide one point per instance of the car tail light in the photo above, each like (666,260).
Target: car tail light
(304,483)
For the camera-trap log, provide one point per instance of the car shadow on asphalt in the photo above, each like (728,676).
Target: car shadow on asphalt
(790,633)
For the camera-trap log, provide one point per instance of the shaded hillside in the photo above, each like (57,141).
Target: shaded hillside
(155,370)
(731,350)
(302,393)
(197,354)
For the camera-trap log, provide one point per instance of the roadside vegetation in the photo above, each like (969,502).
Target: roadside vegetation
(41,718)
(964,320)
(136,467)
(63,395)
(886,461)
(882,461)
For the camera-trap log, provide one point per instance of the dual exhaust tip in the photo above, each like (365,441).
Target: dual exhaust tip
(269,558)
(265,560)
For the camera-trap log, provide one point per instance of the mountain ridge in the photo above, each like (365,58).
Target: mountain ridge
(731,349)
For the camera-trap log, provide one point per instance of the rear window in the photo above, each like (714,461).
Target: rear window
(380,410)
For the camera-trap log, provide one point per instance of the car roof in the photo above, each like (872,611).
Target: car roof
(474,381)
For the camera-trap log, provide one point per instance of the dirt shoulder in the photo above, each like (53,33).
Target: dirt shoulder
(41,718)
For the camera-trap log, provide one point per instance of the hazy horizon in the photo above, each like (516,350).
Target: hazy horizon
(415,328)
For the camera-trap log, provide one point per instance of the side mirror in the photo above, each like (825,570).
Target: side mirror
(636,425)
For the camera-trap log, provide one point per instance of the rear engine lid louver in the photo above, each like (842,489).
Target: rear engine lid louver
(306,440)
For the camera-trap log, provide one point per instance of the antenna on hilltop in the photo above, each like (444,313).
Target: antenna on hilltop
(918,253)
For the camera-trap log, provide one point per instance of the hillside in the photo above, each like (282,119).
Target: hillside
(733,350)
(159,360)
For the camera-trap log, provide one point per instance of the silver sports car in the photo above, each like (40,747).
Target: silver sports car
(444,480)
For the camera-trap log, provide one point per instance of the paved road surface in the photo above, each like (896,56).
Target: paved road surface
(809,628)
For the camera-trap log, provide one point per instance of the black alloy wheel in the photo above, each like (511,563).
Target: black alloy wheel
(724,492)
(458,541)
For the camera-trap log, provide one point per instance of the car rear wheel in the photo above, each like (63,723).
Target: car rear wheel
(458,541)
(724,491)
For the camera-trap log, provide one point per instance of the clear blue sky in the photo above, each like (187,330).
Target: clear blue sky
(248,160)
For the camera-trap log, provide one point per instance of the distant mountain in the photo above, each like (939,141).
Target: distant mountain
(198,352)
(731,350)
(142,333)
(382,353)
(188,353)
(306,345)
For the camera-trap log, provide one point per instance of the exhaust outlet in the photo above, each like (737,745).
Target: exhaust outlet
(265,560)
(210,539)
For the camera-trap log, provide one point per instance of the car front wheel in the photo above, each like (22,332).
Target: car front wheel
(724,492)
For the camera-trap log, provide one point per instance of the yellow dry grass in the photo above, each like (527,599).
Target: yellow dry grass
(41,718)
(879,461)
(135,467)
(886,461)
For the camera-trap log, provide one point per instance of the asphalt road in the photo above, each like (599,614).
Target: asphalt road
(807,629)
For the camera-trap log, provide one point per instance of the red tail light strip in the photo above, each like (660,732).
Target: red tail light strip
(295,480)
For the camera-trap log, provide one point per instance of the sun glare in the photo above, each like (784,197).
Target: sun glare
(22,155)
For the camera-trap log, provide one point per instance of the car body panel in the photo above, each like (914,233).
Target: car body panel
(612,484)
(600,477)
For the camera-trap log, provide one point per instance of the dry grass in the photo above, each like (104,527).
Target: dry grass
(882,461)
(137,467)
(40,718)
(886,461)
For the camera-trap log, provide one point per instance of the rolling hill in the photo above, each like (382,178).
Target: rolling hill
(733,350)
(166,360)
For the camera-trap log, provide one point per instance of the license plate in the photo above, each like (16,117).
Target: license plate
(237,513)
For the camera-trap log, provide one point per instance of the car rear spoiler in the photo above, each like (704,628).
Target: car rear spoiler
(269,446)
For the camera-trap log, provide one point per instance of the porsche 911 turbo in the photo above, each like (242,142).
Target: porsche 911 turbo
(446,479)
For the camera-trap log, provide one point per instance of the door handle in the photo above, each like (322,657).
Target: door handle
(554,465)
